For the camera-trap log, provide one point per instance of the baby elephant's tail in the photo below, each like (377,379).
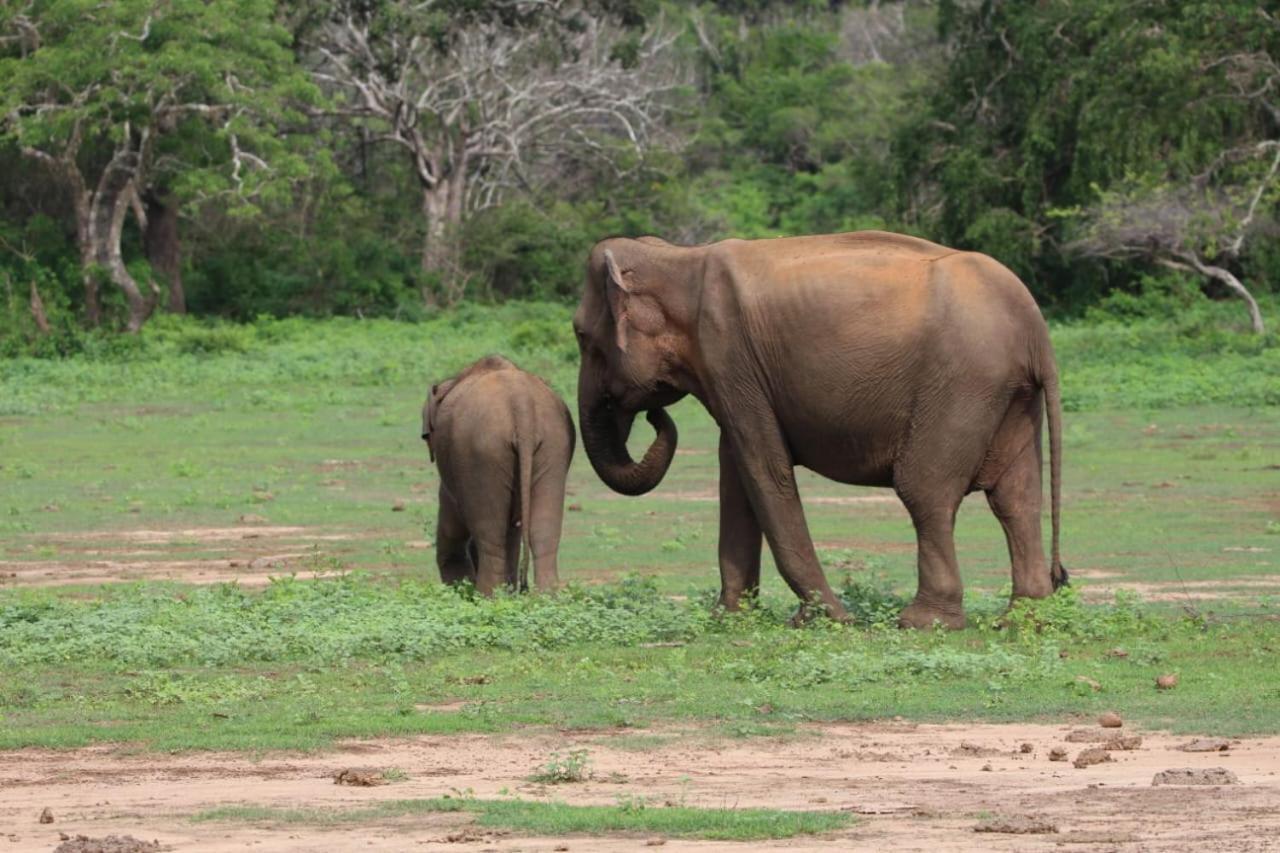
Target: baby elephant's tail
(524,460)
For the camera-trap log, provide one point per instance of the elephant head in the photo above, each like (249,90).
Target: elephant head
(630,348)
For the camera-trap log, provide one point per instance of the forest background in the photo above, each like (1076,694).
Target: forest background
(244,158)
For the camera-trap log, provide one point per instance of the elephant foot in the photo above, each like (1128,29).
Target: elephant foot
(922,615)
(806,613)
(1040,587)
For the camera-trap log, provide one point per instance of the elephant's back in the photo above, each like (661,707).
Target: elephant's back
(497,407)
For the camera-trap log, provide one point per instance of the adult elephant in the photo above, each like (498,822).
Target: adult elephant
(871,358)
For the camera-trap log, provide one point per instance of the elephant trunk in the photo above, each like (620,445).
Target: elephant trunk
(604,435)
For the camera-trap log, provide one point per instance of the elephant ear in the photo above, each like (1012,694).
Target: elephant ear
(434,399)
(618,294)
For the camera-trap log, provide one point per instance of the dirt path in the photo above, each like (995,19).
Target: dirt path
(914,787)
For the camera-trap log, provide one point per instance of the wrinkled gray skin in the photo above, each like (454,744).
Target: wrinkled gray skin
(502,441)
(871,358)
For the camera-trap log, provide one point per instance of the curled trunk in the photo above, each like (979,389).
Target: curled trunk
(604,436)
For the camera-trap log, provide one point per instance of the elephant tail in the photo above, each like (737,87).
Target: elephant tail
(1053,411)
(524,459)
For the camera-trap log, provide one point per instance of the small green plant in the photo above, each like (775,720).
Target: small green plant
(574,766)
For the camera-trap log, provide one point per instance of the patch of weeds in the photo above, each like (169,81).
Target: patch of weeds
(871,601)
(574,766)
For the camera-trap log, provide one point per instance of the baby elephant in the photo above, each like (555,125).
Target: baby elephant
(502,441)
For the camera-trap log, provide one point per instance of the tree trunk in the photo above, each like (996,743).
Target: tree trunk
(1237,287)
(1229,279)
(164,248)
(442,208)
(88,272)
(100,214)
(435,248)
(37,310)
(106,224)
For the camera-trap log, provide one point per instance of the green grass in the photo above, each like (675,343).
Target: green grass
(1170,485)
(304,664)
(559,819)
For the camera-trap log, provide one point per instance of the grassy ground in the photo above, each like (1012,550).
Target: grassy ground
(1172,447)
(557,819)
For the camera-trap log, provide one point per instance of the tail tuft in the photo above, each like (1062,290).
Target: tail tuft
(1060,577)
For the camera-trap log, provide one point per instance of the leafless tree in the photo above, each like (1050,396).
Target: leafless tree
(490,109)
(1201,227)
(884,31)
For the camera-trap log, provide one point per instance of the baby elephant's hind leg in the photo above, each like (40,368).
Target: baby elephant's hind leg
(454,548)
(545,522)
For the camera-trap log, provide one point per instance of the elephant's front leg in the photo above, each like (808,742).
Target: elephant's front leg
(768,477)
(453,542)
(740,535)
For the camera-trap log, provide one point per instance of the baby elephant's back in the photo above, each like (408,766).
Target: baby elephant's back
(494,411)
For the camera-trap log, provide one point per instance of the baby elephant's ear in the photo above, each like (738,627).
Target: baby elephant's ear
(429,419)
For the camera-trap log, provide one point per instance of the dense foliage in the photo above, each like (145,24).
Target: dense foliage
(311,157)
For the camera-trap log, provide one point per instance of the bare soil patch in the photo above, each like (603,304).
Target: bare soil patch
(914,787)
(249,554)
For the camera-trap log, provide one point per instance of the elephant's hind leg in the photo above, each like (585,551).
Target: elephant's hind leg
(932,476)
(939,593)
(496,540)
(454,548)
(1015,499)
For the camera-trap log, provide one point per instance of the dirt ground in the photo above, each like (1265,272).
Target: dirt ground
(913,787)
(252,553)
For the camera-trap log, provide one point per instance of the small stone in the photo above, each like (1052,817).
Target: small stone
(1110,720)
(1167,682)
(1090,756)
(1196,776)
(1057,754)
(1122,742)
(1206,744)
(655,842)
(987,767)
(398,506)
(561,847)
(358,778)
(1087,736)
(1026,748)
(46,816)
